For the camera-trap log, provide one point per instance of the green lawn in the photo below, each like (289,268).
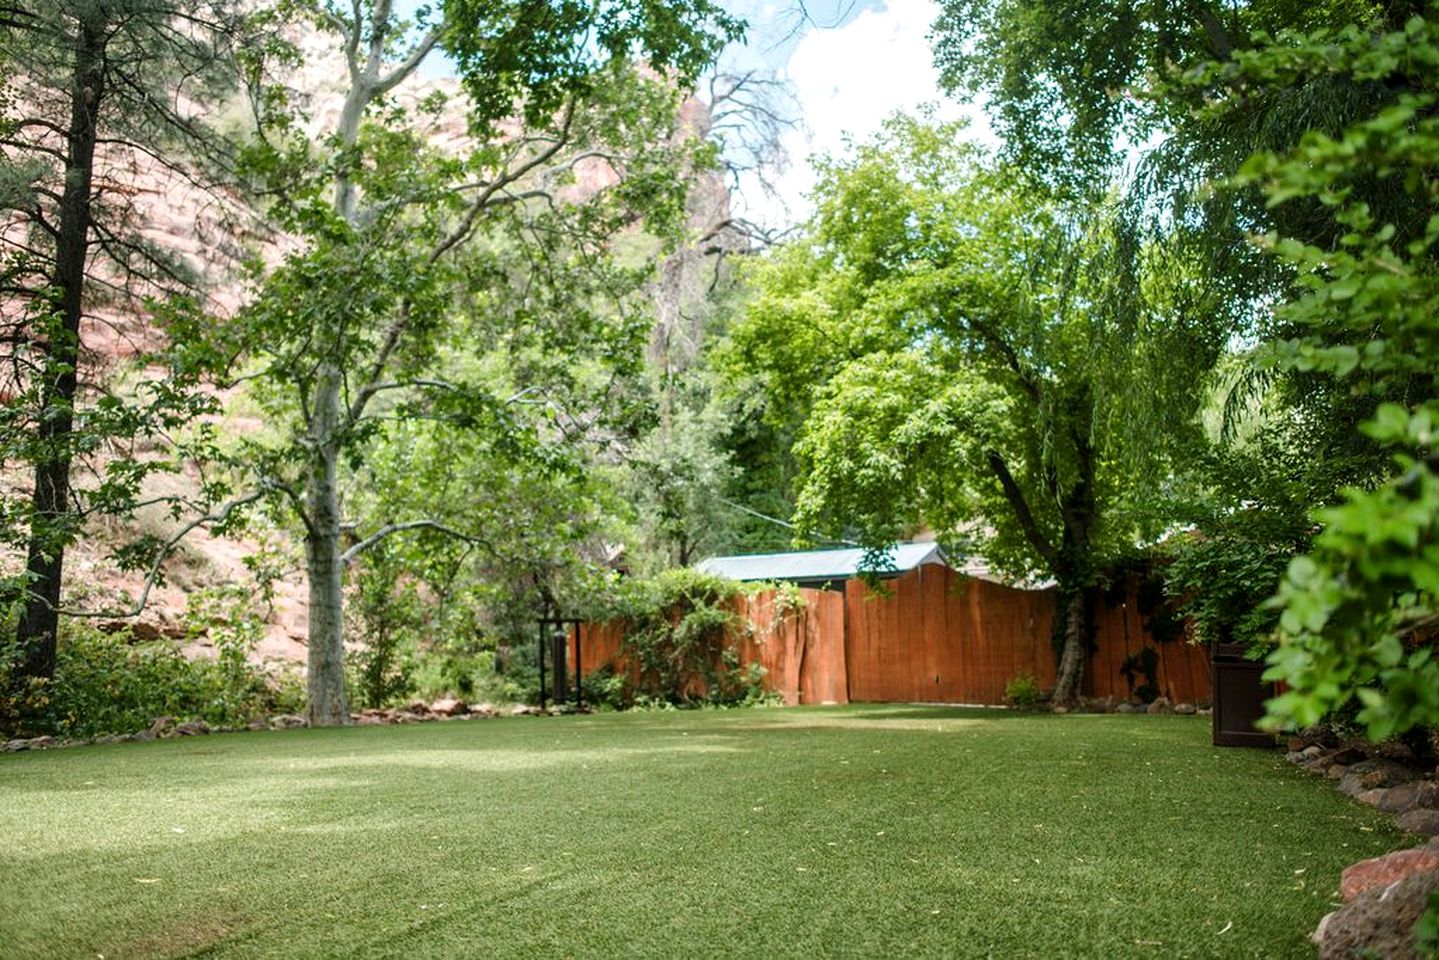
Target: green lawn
(862,831)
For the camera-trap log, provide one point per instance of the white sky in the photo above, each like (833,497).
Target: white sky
(851,65)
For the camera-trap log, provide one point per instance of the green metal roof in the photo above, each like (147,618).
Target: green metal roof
(821,564)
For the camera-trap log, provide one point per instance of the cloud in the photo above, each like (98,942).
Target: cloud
(848,80)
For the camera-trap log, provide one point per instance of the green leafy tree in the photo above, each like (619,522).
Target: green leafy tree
(1357,613)
(966,353)
(399,238)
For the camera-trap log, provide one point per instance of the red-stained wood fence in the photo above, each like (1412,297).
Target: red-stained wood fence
(932,635)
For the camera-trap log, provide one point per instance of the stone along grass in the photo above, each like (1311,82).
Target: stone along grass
(860,831)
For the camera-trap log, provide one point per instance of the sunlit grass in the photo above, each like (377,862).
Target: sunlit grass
(805,832)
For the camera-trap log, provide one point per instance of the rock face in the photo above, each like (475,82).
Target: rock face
(1380,921)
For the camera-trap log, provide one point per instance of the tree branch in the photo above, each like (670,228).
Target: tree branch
(1020,505)
(388,530)
(154,572)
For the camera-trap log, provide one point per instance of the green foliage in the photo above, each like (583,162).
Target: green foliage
(1426,931)
(681,633)
(1145,662)
(957,349)
(387,623)
(1357,613)
(1023,693)
(604,689)
(112,683)
(536,56)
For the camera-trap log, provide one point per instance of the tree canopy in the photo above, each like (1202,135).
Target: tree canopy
(968,354)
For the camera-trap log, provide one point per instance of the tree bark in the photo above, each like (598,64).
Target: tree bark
(45,557)
(324,563)
(1070,673)
(326,661)
(1075,567)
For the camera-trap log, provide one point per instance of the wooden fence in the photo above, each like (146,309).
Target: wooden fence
(931,635)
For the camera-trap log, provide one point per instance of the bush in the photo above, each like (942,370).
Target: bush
(386,623)
(682,635)
(1023,693)
(110,683)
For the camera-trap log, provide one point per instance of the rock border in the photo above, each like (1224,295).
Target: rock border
(168,728)
(1383,896)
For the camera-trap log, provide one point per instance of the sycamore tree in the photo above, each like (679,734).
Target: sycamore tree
(966,353)
(569,146)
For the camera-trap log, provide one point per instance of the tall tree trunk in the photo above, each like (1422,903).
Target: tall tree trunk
(326,674)
(1075,568)
(1074,647)
(325,681)
(45,559)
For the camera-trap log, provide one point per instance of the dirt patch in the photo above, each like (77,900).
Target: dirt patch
(186,938)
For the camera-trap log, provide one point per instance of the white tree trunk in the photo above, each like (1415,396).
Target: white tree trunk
(326,682)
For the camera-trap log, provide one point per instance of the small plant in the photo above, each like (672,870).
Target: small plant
(1426,931)
(1023,693)
(385,632)
(605,690)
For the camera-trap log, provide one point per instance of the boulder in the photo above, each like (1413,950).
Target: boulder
(1400,798)
(1420,820)
(418,707)
(1348,755)
(522,710)
(485,710)
(1312,751)
(1379,872)
(450,707)
(1336,771)
(1185,709)
(1371,798)
(190,728)
(1126,708)
(287,721)
(1160,706)
(1380,921)
(1373,774)
(161,727)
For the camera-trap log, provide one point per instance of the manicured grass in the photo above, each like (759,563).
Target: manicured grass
(861,831)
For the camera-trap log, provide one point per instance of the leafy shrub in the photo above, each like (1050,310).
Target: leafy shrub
(110,683)
(682,632)
(1144,661)
(386,623)
(1023,692)
(605,690)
